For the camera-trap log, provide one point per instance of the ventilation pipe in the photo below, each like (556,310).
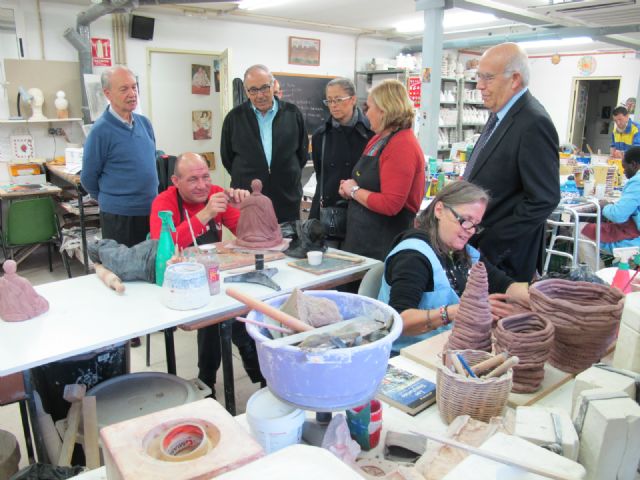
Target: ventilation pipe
(80,38)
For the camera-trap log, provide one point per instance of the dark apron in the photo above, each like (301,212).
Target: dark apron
(210,236)
(369,233)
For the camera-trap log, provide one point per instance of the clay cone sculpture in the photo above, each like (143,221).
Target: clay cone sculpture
(258,225)
(18,300)
(472,327)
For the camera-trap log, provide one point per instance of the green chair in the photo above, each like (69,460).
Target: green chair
(31,222)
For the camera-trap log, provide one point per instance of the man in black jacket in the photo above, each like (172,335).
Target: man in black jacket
(265,138)
(516,160)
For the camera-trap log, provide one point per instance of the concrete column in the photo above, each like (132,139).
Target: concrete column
(431,74)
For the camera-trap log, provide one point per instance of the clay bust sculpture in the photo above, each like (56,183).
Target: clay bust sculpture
(258,225)
(18,300)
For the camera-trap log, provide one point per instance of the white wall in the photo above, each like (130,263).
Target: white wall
(552,84)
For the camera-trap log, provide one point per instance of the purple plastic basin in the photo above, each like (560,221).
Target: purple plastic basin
(335,379)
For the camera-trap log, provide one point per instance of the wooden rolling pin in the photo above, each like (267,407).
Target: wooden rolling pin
(292,322)
(489,363)
(500,369)
(109,278)
(495,457)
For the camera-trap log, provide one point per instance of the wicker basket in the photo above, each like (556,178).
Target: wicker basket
(480,399)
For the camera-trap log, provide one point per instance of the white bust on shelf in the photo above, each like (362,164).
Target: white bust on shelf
(36,104)
(62,104)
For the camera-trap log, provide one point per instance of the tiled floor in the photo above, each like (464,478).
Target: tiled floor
(35,268)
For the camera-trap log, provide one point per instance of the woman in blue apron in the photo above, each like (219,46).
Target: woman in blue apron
(388,181)
(427,268)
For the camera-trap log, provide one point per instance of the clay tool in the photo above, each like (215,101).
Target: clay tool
(457,365)
(465,365)
(496,457)
(278,315)
(193,235)
(631,280)
(500,369)
(265,325)
(490,363)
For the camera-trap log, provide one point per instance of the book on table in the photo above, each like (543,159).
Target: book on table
(406,391)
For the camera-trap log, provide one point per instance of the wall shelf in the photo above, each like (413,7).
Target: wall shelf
(39,122)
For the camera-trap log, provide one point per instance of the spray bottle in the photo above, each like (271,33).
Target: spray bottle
(622,279)
(165,244)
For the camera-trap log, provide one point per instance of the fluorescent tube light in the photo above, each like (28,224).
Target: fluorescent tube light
(556,42)
(456,19)
(256,4)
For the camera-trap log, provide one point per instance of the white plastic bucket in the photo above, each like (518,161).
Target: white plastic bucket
(274,424)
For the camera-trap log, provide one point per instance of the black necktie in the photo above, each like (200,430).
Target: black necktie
(484,136)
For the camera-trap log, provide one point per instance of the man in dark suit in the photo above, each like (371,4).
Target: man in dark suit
(516,160)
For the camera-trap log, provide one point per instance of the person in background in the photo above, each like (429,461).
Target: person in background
(265,138)
(426,271)
(516,161)
(119,161)
(336,146)
(276,89)
(208,207)
(388,181)
(625,134)
(623,226)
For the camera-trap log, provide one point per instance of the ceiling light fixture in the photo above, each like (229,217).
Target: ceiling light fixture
(556,42)
(455,19)
(256,4)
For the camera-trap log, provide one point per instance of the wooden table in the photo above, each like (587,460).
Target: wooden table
(85,315)
(11,192)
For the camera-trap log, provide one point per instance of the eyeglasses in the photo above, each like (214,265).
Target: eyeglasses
(489,77)
(255,91)
(464,223)
(336,101)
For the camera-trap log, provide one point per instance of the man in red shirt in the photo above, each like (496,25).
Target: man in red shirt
(208,207)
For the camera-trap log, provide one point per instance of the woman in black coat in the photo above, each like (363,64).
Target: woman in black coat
(336,147)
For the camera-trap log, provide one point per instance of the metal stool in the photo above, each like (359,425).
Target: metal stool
(570,215)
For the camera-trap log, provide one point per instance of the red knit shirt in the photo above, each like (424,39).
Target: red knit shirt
(168,200)
(402,179)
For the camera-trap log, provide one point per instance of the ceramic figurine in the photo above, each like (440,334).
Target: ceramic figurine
(36,104)
(18,300)
(62,104)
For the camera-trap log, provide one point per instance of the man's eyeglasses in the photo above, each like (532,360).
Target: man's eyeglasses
(489,77)
(255,91)
(464,223)
(335,101)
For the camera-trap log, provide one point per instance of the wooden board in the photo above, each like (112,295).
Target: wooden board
(428,352)
(230,259)
(330,263)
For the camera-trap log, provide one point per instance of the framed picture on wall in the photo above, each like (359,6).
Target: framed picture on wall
(304,51)
(200,79)
(201,124)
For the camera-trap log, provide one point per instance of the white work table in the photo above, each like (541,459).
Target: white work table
(85,315)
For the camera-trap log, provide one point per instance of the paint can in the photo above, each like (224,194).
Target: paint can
(185,286)
(274,424)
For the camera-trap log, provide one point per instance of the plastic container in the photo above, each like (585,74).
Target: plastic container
(274,424)
(185,286)
(208,258)
(314,257)
(335,379)
(166,246)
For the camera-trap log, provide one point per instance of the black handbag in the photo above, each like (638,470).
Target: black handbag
(334,219)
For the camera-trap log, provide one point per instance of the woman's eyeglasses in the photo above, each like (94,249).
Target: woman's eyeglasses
(335,101)
(464,223)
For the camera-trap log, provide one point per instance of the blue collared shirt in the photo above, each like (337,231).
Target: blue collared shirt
(265,122)
(504,110)
(119,118)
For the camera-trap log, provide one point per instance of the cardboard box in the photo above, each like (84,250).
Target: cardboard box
(29,179)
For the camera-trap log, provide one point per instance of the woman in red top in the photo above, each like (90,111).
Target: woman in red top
(388,182)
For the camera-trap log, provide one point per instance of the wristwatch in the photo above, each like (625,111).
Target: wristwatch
(354,189)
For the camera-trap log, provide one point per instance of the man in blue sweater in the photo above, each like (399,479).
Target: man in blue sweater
(119,161)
